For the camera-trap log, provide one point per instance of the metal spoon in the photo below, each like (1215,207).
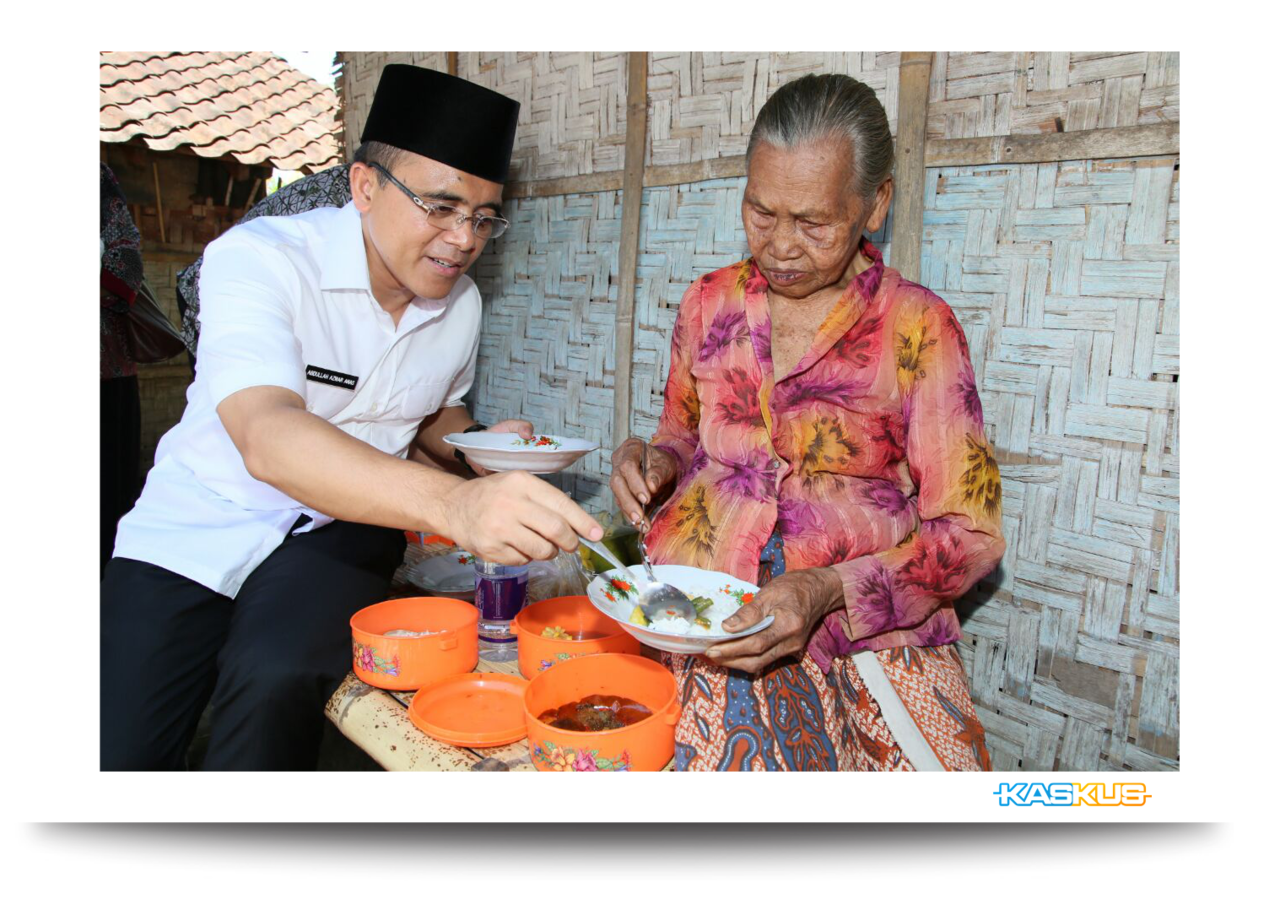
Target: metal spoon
(659,599)
(655,597)
(602,551)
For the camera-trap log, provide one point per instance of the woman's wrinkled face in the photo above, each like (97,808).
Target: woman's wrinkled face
(412,254)
(803,221)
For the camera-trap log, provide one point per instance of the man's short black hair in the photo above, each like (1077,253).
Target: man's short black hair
(379,153)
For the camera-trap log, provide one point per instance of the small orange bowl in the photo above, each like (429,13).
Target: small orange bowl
(575,615)
(644,746)
(404,664)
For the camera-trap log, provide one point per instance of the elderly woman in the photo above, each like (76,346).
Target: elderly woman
(822,435)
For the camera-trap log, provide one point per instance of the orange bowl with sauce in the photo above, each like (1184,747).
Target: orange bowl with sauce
(644,746)
(403,664)
(594,633)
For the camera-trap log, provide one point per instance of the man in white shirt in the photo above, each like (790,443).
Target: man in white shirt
(335,349)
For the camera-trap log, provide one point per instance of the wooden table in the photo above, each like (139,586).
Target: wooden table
(378,722)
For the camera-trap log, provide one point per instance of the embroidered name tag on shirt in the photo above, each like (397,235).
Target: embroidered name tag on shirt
(331,377)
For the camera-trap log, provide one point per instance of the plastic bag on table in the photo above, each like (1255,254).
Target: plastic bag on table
(561,576)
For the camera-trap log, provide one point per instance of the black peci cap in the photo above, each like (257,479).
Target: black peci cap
(442,117)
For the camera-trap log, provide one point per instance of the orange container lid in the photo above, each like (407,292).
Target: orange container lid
(472,709)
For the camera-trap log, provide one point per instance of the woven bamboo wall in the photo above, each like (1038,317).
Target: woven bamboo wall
(573,108)
(573,114)
(1027,92)
(546,348)
(1064,274)
(1065,277)
(703,105)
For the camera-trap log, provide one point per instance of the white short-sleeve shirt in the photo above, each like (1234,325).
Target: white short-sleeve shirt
(285,301)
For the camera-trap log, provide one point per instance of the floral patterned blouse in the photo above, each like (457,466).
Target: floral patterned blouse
(869,456)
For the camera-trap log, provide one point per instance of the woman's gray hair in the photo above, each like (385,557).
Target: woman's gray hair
(813,108)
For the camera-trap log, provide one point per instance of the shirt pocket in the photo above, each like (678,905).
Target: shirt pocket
(326,400)
(420,399)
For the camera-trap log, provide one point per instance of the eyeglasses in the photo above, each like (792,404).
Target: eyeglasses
(447,217)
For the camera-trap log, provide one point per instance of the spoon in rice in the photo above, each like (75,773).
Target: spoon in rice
(659,600)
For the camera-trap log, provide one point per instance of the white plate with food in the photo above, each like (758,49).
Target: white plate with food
(542,454)
(716,595)
(451,574)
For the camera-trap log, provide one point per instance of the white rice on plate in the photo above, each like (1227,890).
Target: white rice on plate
(616,593)
(676,625)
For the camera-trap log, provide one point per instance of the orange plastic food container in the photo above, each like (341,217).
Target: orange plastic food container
(646,746)
(410,663)
(573,614)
